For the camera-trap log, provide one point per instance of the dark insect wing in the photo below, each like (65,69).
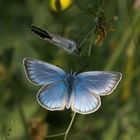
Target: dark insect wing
(42,73)
(100,82)
(66,44)
(41,32)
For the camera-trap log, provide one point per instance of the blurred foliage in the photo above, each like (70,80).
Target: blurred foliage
(118,31)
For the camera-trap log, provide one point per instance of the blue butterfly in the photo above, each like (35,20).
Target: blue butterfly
(80,92)
(66,44)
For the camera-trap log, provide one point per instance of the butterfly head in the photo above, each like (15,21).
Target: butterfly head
(71,77)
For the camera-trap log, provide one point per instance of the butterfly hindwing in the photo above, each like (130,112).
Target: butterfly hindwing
(52,97)
(83,100)
(100,82)
(42,73)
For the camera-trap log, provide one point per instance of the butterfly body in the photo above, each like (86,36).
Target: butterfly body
(80,92)
(70,81)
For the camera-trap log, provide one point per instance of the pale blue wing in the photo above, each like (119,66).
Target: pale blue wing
(66,44)
(100,82)
(52,97)
(84,101)
(42,73)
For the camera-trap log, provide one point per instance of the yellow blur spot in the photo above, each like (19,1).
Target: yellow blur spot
(64,4)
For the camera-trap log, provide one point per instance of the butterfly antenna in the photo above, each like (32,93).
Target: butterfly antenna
(40,32)
(71,72)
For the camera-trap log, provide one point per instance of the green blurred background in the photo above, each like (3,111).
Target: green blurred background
(108,38)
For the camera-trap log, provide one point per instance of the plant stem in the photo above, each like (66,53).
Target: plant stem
(68,129)
(66,132)
(55,135)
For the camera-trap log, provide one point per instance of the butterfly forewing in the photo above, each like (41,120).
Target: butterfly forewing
(100,82)
(52,97)
(42,73)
